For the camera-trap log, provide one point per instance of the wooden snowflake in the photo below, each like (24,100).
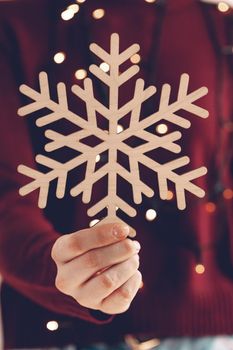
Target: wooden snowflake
(112,141)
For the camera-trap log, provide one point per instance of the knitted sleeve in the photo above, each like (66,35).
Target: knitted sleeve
(26,237)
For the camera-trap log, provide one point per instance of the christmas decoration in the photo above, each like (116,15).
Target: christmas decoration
(112,141)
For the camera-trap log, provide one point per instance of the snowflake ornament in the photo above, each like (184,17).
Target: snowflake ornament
(112,141)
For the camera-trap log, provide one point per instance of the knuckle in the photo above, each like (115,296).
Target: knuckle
(81,299)
(59,283)
(135,261)
(92,259)
(86,301)
(129,246)
(107,281)
(102,237)
(138,276)
(74,243)
(125,295)
(124,308)
(56,249)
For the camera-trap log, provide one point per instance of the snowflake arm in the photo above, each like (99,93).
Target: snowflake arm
(58,171)
(59,109)
(166,172)
(185,101)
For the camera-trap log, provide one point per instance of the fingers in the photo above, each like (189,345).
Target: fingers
(88,264)
(68,247)
(119,301)
(106,283)
(98,267)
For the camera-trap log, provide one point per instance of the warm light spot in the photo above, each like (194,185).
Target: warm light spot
(149,344)
(97,158)
(80,1)
(98,13)
(67,15)
(151,214)
(170,195)
(119,128)
(74,8)
(135,58)
(162,128)
(200,269)
(52,325)
(150,1)
(93,222)
(223,6)
(105,67)
(210,207)
(80,74)
(59,57)
(228,193)
(141,285)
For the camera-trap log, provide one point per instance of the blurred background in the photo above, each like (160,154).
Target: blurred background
(186,298)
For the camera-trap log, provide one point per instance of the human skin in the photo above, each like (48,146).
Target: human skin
(98,267)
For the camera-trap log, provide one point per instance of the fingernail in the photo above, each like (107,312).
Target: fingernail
(120,231)
(137,245)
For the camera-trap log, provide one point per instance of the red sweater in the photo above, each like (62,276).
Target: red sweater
(175,301)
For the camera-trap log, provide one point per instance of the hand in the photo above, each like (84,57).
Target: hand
(98,267)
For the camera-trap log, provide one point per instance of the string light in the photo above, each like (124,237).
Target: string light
(97,158)
(98,13)
(105,67)
(59,57)
(150,1)
(93,222)
(150,214)
(67,15)
(119,128)
(135,58)
(210,207)
(80,74)
(74,8)
(80,1)
(200,269)
(162,129)
(227,193)
(52,326)
(223,6)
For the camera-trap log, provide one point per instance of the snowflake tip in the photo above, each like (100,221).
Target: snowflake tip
(201,193)
(42,204)
(92,47)
(21,192)
(181,206)
(115,37)
(86,199)
(37,158)
(19,168)
(204,170)
(205,113)
(185,76)
(38,123)
(43,75)
(47,147)
(73,192)
(22,89)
